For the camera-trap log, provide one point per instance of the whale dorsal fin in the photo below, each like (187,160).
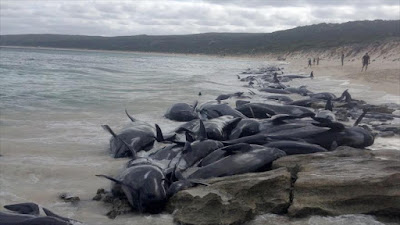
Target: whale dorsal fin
(160,136)
(202,131)
(329,105)
(347,96)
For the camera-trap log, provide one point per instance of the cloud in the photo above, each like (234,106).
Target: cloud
(114,18)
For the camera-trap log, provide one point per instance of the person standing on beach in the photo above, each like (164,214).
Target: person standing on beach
(342,58)
(314,61)
(365,61)
(309,62)
(317,60)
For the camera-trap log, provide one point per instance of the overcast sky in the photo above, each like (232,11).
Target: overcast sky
(155,17)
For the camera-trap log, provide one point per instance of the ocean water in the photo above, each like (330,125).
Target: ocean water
(52,103)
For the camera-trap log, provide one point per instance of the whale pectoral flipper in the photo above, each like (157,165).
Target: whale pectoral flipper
(198,182)
(110,178)
(236,148)
(24,208)
(187,147)
(130,117)
(360,117)
(333,125)
(189,137)
(50,213)
(108,129)
(195,105)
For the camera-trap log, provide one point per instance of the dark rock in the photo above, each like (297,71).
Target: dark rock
(234,199)
(345,181)
(67,197)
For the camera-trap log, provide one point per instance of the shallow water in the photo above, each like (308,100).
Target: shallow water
(54,101)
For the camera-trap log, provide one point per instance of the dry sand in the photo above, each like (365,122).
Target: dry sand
(383,72)
(381,75)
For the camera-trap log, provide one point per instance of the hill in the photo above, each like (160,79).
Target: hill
(301,38)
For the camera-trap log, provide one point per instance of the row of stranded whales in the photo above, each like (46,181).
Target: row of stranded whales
(29,214)
(219,140)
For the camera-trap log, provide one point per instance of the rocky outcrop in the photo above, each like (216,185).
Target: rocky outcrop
(345,181)
(234,199)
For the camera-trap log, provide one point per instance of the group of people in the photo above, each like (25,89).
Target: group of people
(365,61)
(314,60)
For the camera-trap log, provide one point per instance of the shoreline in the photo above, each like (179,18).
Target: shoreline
(383,73)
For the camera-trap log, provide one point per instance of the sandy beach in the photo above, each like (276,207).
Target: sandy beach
(383,73)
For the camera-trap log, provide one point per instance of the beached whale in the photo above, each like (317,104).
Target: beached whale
(167,152)
(280,98)
(295,76)
(181,112)
(212,109)
(139,135)
(323,95)
(144,185)
(24,208)
(226,96)
(256,159)
(223,152)
(302,90)
(274,90)
(15,219)
(29,214)
(295,147)
(217,129)
(262,110)
(325,133)
(245,127)
(194,152)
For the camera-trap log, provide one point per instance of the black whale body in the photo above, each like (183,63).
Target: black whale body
(181,112)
